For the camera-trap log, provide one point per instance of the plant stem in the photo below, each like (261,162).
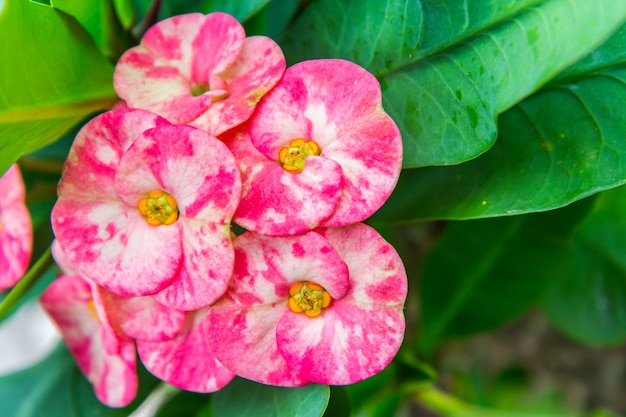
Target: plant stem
(32,276)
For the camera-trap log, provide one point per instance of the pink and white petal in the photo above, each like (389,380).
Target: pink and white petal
(216,47)
(377,273)
(267,266)
(370,156)
(346,344)
(12,187)
(90,167)
(258,68)
(277,203)
(61,259)
(148,82)
(69,302)
(206,268)
(195,168)
(170,40)
(142,318)
(187,361)
(244,340)
(16,232)
(320,99)
(112,244)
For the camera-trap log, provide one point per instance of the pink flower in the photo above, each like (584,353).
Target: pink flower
(106,357)
(321,307)
(16,233)
(318,151)
(199,70)
(144,208)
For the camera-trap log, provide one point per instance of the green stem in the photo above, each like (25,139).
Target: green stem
(32,276)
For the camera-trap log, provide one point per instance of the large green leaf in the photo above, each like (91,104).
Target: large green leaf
(475,59)
(56,388)
(241,10)
(589,303)
(561,144)
(99,18)
(51,76)
(243,398)
(484,272)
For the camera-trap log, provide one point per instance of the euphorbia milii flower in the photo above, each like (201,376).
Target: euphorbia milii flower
(321,307)
(144,208)
(16,233)
(318,151)
(105,356)
(199,70)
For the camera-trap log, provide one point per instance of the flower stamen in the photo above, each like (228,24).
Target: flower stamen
(158,208)
(308,298)
(292,157)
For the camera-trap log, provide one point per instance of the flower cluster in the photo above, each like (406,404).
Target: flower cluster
(215,130)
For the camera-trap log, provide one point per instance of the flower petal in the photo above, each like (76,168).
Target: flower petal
(186,361)
(377,274)
(112,244)
(267,266)
(276,202)
(206,268)
(90,167)
(371,168)
(142,318)
(89,337)
(346,344)
(258,68)
(16,232)
(244,340)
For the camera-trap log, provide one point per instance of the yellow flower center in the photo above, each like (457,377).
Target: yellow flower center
(292,157)
(158,208)
(308,298)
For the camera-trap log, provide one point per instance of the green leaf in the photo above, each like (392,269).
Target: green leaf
(51,77)
(188,404)
(589,302)
(99,18)
(561,144)
(485,272)
(241,10)
(272,19)
(475,59)
(242,398)
(56,388)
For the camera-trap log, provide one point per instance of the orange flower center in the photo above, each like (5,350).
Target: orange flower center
(292,157)
(308,298)
(158,208)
